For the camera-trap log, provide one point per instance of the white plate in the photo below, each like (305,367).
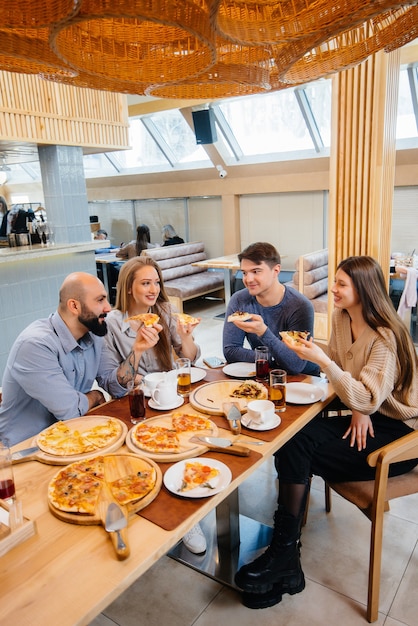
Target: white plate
(198,374)
(264,426)
(166,407)
(240,370)
(173,479)
(303,393)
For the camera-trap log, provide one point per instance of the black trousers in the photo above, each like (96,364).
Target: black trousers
(318,449)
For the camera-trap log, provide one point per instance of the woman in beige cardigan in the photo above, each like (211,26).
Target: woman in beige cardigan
(371,363)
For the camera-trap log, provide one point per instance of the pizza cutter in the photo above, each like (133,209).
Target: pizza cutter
(115,523)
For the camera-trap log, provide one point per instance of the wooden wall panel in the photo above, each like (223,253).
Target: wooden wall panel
(39,111)
(362,164)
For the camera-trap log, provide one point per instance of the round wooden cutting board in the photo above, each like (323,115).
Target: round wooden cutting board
(210,397)
(81,424)
(116,466)
(188,448)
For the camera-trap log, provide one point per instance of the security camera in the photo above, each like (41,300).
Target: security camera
(222,174)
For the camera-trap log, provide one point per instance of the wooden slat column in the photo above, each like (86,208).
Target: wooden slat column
(362,168)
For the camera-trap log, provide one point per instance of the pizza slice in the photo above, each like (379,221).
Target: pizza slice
(187,319)
(183,422)
(293,336)
(239,316)
(133,487)
(102,435)
(251,390)
(76,488)
(197,475)
(155,439)
(148,319)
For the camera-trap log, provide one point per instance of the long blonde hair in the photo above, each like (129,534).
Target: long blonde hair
(163,349)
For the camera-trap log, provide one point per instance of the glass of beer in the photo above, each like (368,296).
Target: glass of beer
(262,363)
(277,391)
(136,401)
(184,376)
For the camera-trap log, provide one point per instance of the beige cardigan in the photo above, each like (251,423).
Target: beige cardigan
(363,373)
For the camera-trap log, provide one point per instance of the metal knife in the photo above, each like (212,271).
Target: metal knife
(221,445)
(28,454)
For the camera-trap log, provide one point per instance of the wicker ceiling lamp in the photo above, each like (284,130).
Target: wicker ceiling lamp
(253,22)
(388,31)
(138,41)
(27,51)
(101,83)
(30,14)
(238,71)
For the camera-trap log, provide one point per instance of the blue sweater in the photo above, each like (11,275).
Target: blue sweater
(295,312)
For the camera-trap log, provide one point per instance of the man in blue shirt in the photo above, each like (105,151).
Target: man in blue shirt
(273,307)
(53,363)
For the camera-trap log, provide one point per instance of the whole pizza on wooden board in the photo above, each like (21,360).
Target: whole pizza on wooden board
(79,491)
(210,397)
(166,438)
(79,438)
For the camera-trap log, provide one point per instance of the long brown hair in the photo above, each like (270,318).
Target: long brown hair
(378,312)
(127,274)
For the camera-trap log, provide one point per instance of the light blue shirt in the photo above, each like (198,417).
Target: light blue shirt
(47,376)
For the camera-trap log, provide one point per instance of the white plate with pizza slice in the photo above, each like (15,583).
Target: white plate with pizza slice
(210,476)
(166,438)
(240,370)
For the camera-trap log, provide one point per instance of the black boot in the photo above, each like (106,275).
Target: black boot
(280,562)
(289,584)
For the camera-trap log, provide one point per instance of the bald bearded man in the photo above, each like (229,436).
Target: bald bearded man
(54,362)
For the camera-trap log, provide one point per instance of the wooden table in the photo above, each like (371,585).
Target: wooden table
(67,574)
(228,264)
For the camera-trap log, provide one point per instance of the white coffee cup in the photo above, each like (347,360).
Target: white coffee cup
(260,411)
(165,393)
(151,381)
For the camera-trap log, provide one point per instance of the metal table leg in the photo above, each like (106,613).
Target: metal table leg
(232,540)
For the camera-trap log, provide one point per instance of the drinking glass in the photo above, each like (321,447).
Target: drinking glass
(184,376)
(7,483)
(277,391)
(136,398)
(262,363)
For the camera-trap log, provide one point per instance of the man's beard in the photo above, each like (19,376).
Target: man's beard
(92,323)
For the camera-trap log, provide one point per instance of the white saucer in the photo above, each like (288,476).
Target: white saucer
(263,426)
(159,407)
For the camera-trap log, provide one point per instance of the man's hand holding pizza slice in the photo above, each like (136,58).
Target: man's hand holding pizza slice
(248,322)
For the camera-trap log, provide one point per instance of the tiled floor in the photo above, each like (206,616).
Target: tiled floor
(334,558)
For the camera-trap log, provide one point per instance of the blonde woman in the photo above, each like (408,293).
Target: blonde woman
(140,289)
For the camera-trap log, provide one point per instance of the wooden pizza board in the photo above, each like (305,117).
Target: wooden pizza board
(210,397)
(188,448)
(80,423)
(116,466)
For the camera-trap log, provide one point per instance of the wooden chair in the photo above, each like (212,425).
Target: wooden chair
(372,498)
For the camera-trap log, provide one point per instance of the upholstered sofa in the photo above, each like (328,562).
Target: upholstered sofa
(311,279)
(182,280)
